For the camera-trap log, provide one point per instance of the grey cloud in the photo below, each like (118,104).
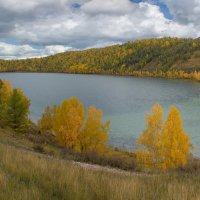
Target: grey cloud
(108,7)
(184,11)
(94,23)
(79,29)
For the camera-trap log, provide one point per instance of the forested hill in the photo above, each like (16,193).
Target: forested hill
(148,54)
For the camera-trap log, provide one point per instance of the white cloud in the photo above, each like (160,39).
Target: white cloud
(93,23)
(10,51)
(30,5)
(107,7)
(80,29)
(50,50)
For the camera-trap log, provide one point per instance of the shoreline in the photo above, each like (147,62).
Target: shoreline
(179,75)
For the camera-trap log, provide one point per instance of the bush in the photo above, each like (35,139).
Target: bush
(38,148)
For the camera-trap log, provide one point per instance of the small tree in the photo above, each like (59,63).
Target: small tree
(175,142)
(94,134)
(46,121)
(67,123)
(149,142)
(163,146)
(18,110)
(5,94)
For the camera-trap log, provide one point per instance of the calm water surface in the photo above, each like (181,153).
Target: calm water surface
(124,100)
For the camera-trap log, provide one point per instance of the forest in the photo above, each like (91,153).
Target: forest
(150,57)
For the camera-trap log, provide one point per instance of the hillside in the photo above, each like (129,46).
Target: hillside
(26,174)
(147,55)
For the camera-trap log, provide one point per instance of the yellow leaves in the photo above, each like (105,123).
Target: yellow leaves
(5,91)
(79,68)
(14,106)
(68,121)
(94,135)
(195,75)
(5,88)
(5,95)
(154,124)
(46,122)
(77,133)
(175,139)
(160,146)
(148,156)
(163,146)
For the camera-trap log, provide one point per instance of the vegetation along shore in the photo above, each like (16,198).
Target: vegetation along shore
(54,159)
(165,57)
(162,145)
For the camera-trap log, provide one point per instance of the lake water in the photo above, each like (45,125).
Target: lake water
(124,100)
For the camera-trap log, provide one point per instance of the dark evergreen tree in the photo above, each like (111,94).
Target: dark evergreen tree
(18,110)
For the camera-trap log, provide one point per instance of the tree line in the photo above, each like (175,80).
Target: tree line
(164,54)
(162,145)
(14,107)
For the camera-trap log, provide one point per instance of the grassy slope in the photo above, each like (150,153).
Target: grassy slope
(25,174)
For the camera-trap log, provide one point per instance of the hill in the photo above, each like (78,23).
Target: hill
(26,174)
(165,54)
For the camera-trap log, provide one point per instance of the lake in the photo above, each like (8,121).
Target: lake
(124,100)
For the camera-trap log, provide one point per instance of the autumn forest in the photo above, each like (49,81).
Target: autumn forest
(165,57)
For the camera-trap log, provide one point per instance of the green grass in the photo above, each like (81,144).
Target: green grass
(28,175)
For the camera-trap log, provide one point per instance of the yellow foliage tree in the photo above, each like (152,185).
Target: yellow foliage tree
(67,123)
(175,142)
(163,146)
(147,155)
(5,95)
(72,130)
(94,134)
(5,90)
(46,122)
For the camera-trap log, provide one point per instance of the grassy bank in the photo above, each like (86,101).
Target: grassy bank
(26,175)
(46,144)
(33,141)
(32,166)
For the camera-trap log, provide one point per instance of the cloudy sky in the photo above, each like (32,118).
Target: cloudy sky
(35,28)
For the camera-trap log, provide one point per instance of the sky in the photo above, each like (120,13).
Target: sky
(36,28)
